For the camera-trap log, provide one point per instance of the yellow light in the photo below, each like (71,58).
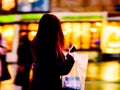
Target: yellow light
(113,50)
(31,35)
(64,32)
(32,1)
(67,27)
(92,71)
(93,30)
(98,24)
(111,28)
(8,30)
(114,45)
(109,50)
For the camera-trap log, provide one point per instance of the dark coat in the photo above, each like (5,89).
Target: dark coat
(24,59)
(47,72)
(24,54)
(5,72)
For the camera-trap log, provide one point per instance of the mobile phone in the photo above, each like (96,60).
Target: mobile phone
(72,48)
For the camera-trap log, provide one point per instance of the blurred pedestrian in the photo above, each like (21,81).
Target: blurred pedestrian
(24,63)
(47,50)
(4,72)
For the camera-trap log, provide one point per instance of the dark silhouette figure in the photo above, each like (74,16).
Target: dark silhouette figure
(4,72)
(24,63)
(49,61)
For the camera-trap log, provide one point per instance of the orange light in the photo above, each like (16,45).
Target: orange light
(24,27)
(7,5)
(33,26)
(0,29)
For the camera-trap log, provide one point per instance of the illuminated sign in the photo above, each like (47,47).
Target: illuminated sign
(31,16)
(63,18)
(83,17)
(27,6)
(24,6)
(7,18)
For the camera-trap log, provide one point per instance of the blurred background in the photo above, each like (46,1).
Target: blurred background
(93,26)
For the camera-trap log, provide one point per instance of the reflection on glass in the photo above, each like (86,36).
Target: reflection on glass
(110,72)
(104,71)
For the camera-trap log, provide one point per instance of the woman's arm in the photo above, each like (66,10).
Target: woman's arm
(66,65)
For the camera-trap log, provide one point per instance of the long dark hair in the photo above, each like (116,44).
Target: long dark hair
(49,37)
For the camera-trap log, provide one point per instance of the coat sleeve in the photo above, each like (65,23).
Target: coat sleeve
(66,65)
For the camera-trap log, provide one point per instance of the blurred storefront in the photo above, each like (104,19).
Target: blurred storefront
(85,24)
(111,41)
(83,30)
